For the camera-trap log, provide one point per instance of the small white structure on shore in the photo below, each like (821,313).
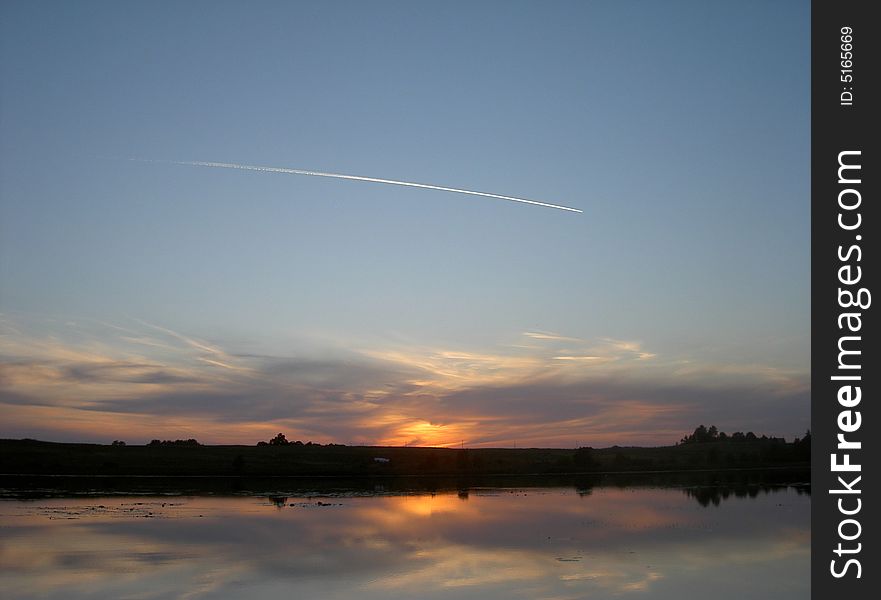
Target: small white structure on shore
(379,459)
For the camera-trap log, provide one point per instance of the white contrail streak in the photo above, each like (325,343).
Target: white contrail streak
(427,186)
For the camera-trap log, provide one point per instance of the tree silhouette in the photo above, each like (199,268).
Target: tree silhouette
(279,440)
(584,458)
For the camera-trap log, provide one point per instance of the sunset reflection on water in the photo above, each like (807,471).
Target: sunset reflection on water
(488,543)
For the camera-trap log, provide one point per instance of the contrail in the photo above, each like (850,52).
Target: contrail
(427,186)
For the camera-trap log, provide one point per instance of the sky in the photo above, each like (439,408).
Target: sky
(143,300)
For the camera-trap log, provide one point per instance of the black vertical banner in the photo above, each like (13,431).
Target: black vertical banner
(846,370)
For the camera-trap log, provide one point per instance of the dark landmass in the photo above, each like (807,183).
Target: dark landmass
(188,458)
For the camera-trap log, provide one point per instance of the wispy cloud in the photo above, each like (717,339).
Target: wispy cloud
(144,381)
(544,335)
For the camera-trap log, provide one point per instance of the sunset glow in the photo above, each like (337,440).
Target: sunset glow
(139,381)
(164,273)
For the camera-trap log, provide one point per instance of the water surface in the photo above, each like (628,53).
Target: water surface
(536,542)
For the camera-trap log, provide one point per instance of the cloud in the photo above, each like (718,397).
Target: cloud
(124,373)
(141,378)
(544,335)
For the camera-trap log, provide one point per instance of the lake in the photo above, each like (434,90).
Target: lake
(554,542)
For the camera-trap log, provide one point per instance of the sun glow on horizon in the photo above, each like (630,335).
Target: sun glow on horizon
(141,381)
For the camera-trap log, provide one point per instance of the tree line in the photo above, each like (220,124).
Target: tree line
(703,434)
(282,440)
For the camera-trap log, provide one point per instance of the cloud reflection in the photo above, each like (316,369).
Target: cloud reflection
(535,543)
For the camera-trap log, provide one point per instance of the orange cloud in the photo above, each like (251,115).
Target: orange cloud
(100,382)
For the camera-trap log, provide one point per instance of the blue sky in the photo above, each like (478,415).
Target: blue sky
(680,128)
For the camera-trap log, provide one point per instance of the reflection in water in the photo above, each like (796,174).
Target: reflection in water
(278,501)
(478,542)
(716,494)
